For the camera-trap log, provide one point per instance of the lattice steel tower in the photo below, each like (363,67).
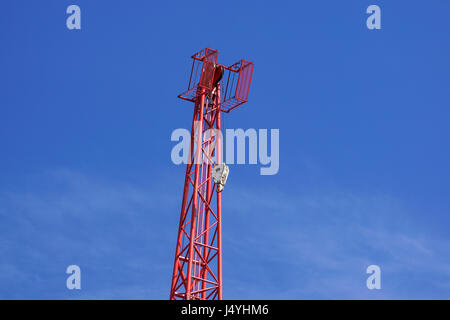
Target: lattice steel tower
(214,88)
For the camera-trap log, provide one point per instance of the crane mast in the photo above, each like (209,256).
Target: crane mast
(197,271)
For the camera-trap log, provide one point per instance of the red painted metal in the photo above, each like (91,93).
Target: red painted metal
(235,81)
(236,90)
(197,271)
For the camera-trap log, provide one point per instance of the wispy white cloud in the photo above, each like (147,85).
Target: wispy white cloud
(118,233)
(277,245)
(319,245)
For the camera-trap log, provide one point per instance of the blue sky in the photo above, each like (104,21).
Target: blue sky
(86,176)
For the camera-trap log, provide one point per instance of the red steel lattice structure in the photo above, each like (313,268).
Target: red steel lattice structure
(197,271)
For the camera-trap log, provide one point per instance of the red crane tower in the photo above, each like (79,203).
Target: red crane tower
(214,88)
